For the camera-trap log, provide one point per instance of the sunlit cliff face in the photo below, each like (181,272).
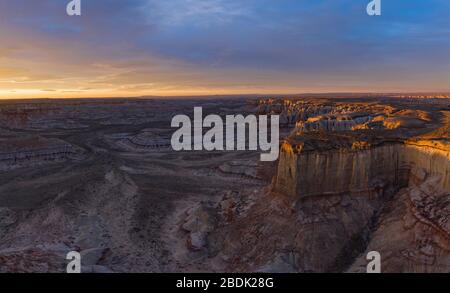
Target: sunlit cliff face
(199,47)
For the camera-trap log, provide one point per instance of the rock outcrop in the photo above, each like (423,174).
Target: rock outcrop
(359,172)
(28,151)
(341,192)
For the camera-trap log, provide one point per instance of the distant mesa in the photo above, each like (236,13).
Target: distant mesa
(146,140)
(32,150)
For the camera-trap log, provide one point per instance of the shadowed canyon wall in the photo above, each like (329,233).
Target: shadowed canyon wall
(367,172)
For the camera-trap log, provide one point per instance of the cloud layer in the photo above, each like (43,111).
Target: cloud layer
(176,47)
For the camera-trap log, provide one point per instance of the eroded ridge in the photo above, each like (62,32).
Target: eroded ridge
(353,178)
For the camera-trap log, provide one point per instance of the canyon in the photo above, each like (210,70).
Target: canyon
(355,174)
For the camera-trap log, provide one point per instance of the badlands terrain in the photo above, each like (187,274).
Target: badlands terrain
(355,174)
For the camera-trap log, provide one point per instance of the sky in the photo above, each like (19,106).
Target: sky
(121,48)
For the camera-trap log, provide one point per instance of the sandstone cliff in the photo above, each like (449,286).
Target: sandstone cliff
(366,172)
(339,194)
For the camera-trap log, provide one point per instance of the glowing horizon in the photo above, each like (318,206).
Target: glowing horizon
(217,47)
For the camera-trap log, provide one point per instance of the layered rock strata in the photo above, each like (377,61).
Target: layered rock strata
(34,150)
(359,172)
